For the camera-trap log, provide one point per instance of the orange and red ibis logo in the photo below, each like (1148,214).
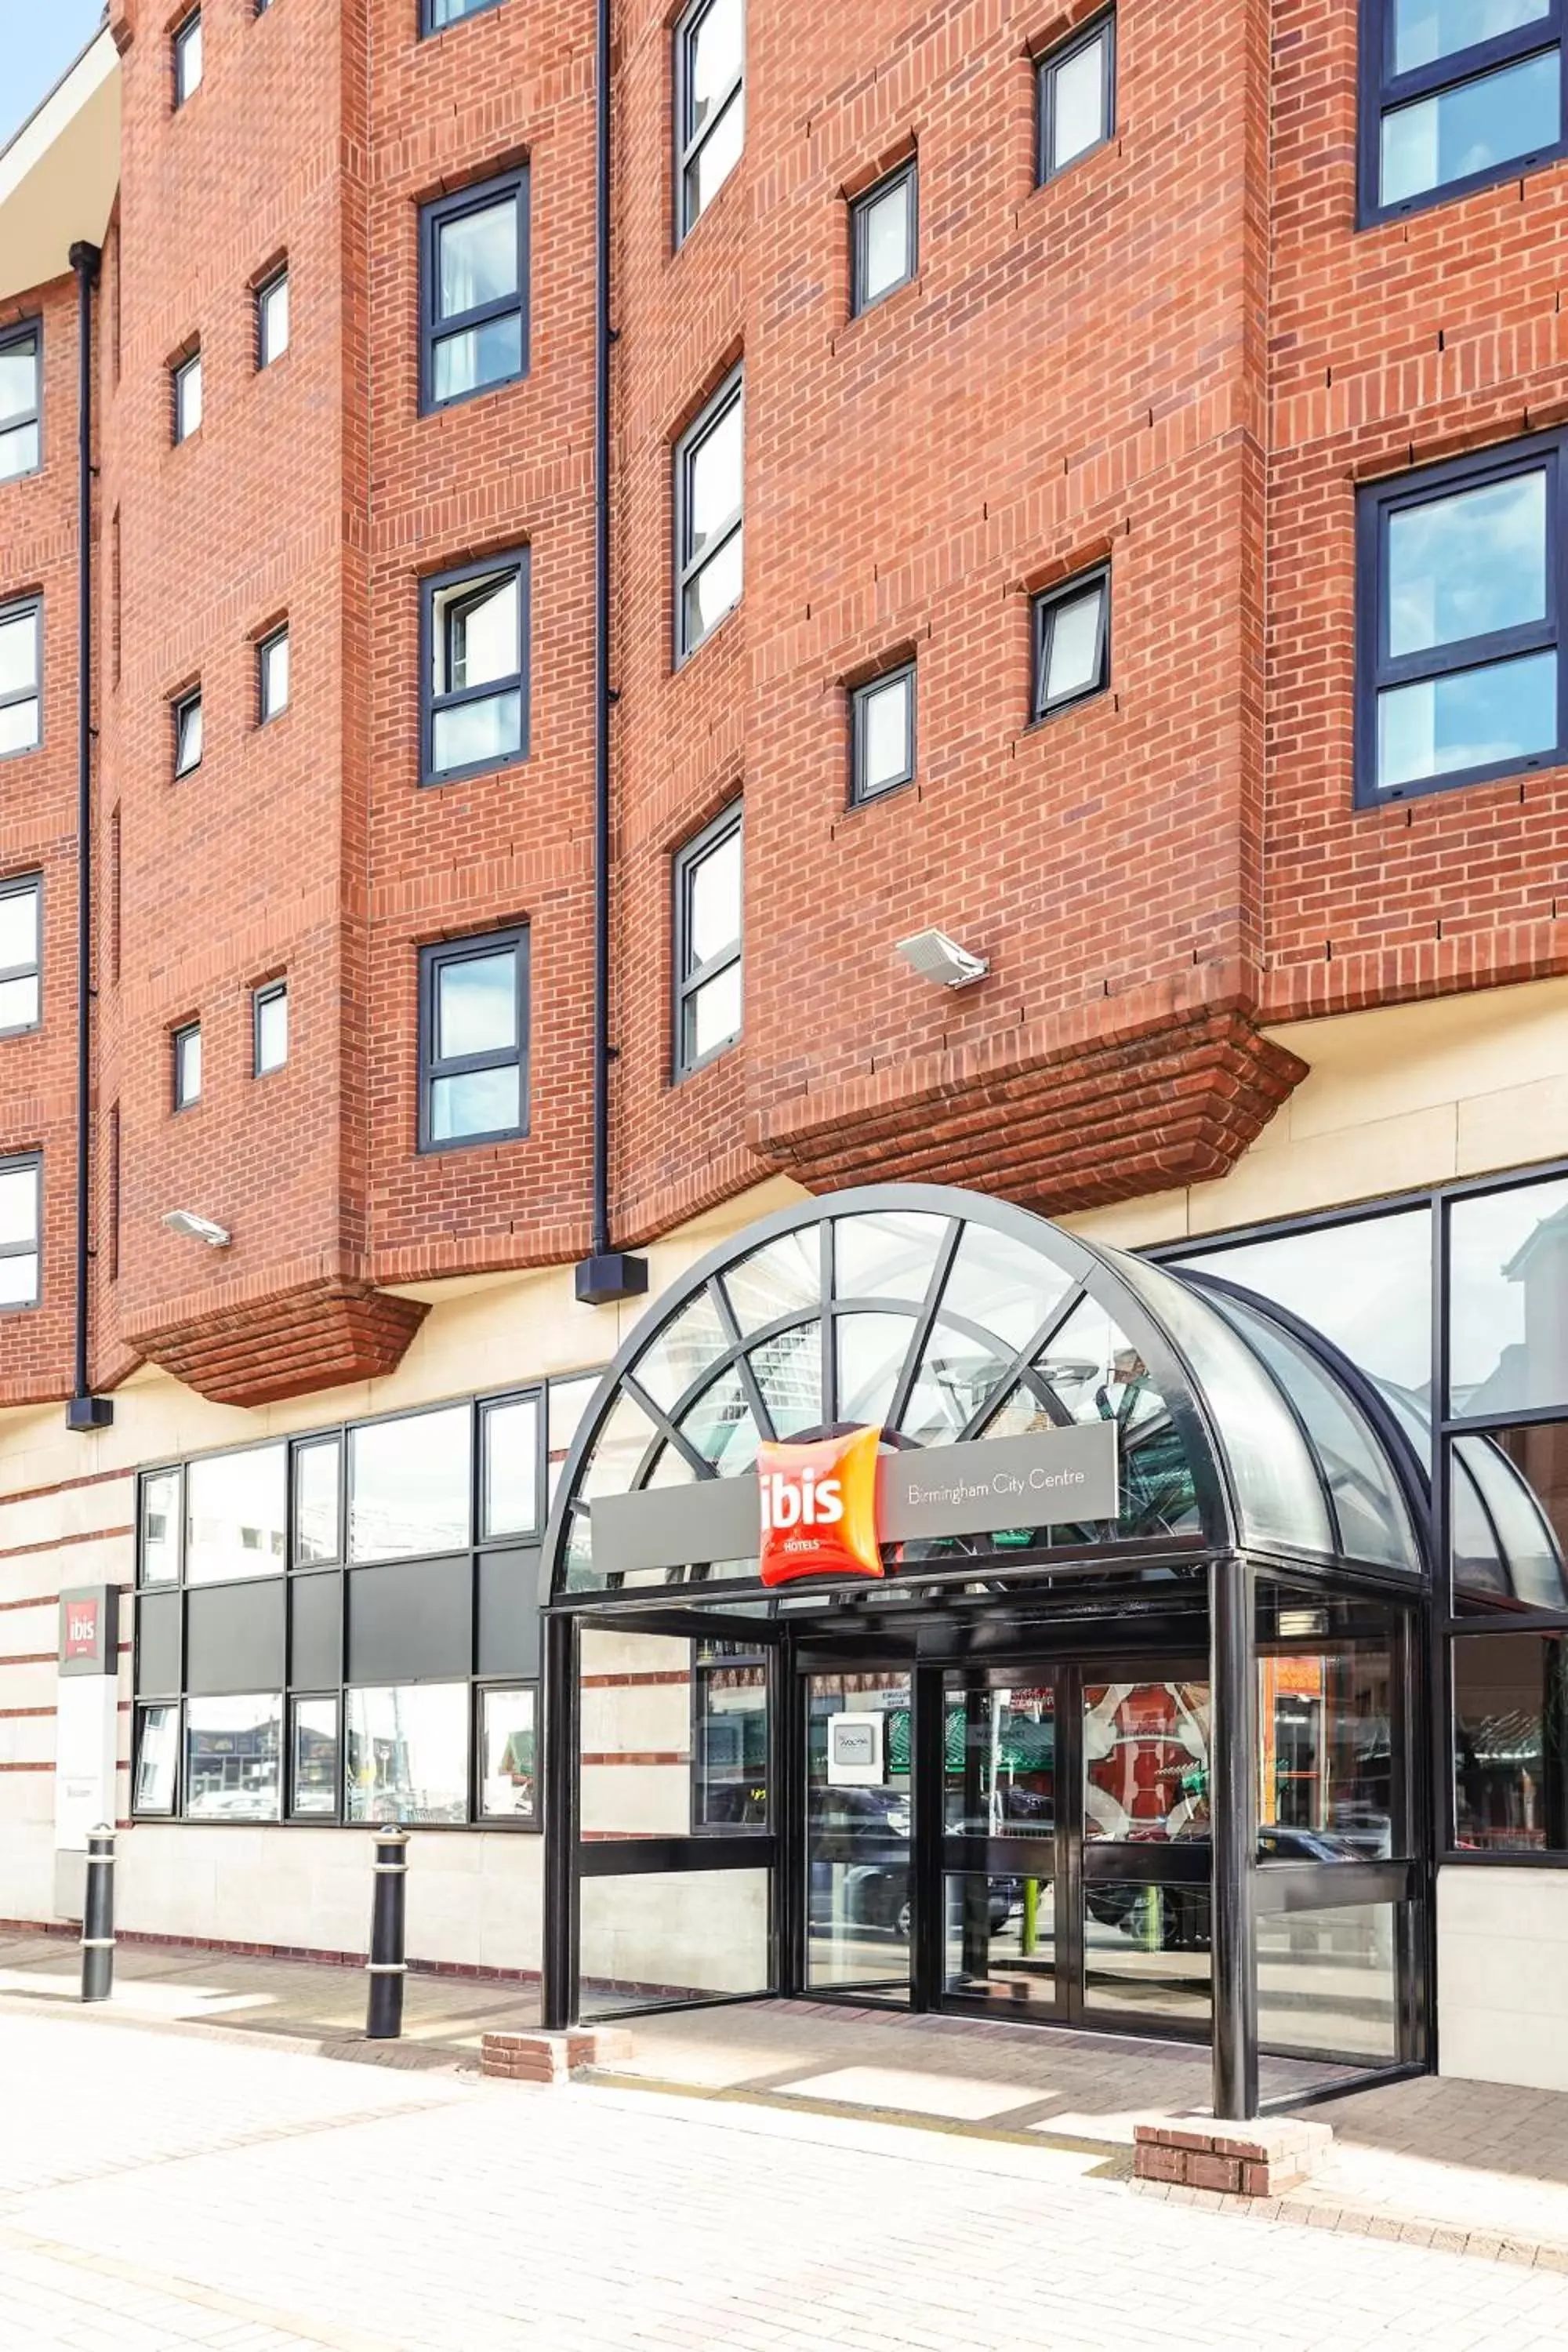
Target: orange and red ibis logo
(819,1507)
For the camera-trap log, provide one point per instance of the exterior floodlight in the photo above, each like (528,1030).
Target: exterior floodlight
(936,956)
(199,1229)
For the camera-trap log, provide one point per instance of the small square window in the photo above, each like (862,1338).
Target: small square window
(187,1045)
(475,669)
(1456,94)
(710,102)
(20,447)
(474,291)
(188,732)
(21,1180)
(21,669)
(188,58)
(709,509)
(1072,643)
(473,1041)
(272,675)
(883,734)
(884,233)
(272,318)
(270,1010)
(1077,97)
(21,948)
(707,923)
(187,386)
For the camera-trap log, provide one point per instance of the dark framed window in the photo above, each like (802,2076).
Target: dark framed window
(882,734)
(272,675)
(272,317)
(884,233)
(187,49)
(186,385)
(473,307)
(709,104)
(1458,592)
(1076,85)
(728,1739)
(313,1757)
(1455,94)
(1072,642)
(269,1027)
(508,1749)
(21,385)
(709,516)
(187,717)
(511,1462)
(21,1204)
(473,1041)
(186,1046)
(435,15)
(318,1502)
(21,675)
(21,953)
(156,1781)
(474,668)
(709,909)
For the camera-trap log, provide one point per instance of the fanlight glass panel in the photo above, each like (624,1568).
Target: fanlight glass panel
(889,1255)
(788,1372)
(872,1351)
(721,1427)
(784,1278)
(1007,1290)
(959,1374)
(686,1348)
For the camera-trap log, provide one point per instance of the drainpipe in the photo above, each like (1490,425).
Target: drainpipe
(606,1274)
(84,1412)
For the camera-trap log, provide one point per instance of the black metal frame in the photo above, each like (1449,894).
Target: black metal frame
(862,793)
(179,39)
(9,1164)
(1042,630)
(13,610)
(179,375)
(433,962)
(429,27)
(688,144)
(180,709)
(27,330)
(1383,93)
(179,1041)
(489,573)
(267,994)
(1377,672)
(264,646)
(689,566)
(1046,67)
(480,196)
(904,175)
(25,886)
(689,979)
(261,294)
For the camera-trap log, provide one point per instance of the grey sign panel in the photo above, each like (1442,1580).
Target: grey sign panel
(1054,1478)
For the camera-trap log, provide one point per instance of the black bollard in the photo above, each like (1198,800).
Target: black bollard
(384,2017)
(98,1916)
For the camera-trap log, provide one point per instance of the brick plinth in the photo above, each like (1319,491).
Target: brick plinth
(1253,2159)
(315,1337)
(551,2057)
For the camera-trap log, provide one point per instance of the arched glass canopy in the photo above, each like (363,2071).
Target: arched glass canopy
(938,1315)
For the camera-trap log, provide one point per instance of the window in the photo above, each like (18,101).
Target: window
(157,1755)
(188,58)
(314,1759)
(435,15)
(1454,93)
(710,103)
(511,1434)
(318,1502)
(1458,588)
(708,911)
(473,1041)
(475,668)
(474,297)
(163,1518)
(1072,643)
(272,317)
(234,1753)
(20,447)
(21,669)
(884,238)
(20,1184)
(408,1753)
(1076,97)
(187,1066)
(235,1515)
(186,378)
(21,923)
(882,730)
(1510,1743)
(709,516)
(408,1484)
(270,1013)
(187,710)
(508,1768)
(272,675)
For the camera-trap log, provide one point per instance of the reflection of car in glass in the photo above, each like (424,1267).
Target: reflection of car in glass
(875,1893)
(1366,1829)
(1174,1918)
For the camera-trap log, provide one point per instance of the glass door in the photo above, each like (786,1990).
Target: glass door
(1002,1871)
(859,1926)
(1147,1858)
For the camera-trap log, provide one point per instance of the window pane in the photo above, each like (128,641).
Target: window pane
(157,1750)
(1426,30)
(1510,1517)
(19,1006)
(18,1204)
(275,675)
(717,157)
(187,398)
(188,735)
(488,353)
(18,380)
(315,1763)
(408,1753)
(887,1254)
(20,1280)
(1329,1980)
(714,55)
(476,1005)
(18,726)
(1508,1271)
(886,232)
(713,901)
(715,591)
(1461,566)
(160,1528)
(1510,1743)
(188,59)
(234,1515)
(271,1031)
(233,1749)
(511,1467)
(788,1372)
(482,633)
(273,303)
(508,1770)
(1074,639)
(1078,102)
(1502,710)
(467,734)
(476,258)
(713,478)
(872,1351)
(482,1102)
(18,929)
(730,1767)
(18,451)
(187,1066)
(317,1474)
(408,1484)
(19,651)
(1472,127)
(713,1013)
(885,712)
(1330,1785)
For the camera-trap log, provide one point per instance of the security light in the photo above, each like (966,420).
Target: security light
(936,956)
(199,1229)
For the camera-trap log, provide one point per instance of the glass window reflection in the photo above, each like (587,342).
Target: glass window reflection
(157,1754)
(1508,1276)
(510,1438)
(162,1513)
(313,1785)
(318,1479)
(408,1753)
(408,1484)
(1510,1743)
(1508,1517)
(233,1758)
(509,1763)
(235,1516)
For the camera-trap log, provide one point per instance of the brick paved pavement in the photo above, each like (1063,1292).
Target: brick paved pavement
(158,2190)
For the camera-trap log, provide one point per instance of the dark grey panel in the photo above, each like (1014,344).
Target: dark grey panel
(411,1621)
(234,1637)
(315,1652)
(509,1612)
(158,1644)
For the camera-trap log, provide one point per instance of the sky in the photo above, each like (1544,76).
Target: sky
(38,39)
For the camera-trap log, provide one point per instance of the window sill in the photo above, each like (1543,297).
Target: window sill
(1368,800)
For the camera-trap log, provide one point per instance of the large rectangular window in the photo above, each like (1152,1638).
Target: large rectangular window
(1455,94)
(709,516)
(234,1757)
(1510,1743)
(21,953)
(236,1514)
(21,675)
(1458,581)
(710,103)
(409,1482)
(21,1179)
(474,668)
(408,1753)
(21,449)
(473,290)
(1077,96)
(473,1041)
(707,924)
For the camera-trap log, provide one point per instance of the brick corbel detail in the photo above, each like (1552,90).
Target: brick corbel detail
(316,1337)
(1164,1086)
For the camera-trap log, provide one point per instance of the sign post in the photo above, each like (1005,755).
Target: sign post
(86,1723)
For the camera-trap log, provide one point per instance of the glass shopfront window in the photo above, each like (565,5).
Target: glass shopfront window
(313,1766)
(408,1484)
(1331,1771)
(1507,1258)
(730,1710)
(161,1516)
(318,1495)
(1510,1743)
(233,1758)
(157,1757)
(508,1758)
(234,1515)
(408,1753)
(1507,1517)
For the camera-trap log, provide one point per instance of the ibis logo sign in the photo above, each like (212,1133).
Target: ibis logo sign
(818,1505)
